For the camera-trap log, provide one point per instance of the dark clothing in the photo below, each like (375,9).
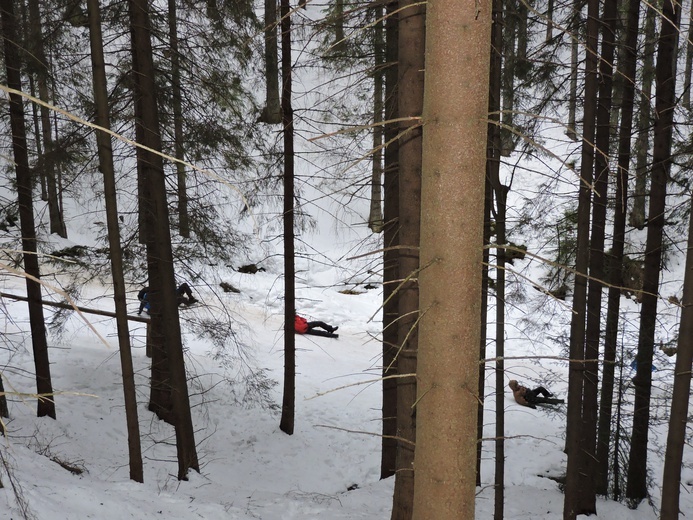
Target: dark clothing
(184,295)
(303,326)
(531,398)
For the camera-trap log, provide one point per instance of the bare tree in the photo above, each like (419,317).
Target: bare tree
(452,213)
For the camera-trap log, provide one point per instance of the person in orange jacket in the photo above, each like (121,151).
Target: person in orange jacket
(527,397)
(303,326)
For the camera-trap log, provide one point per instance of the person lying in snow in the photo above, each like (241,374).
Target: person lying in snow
(184,295)
(531,398)
(303,326)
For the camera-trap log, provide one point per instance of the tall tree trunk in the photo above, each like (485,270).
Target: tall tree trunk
(493,185)
(289,399)
(44,387)
(57,223)
(577,487)
(375,216)
(678,418)
(665,104)
(508,79)
(411,90)
(686,102)
(452,203)
(106,166)
(272,112)
(390,242)
(576,21)
(178,136)
(596,256)
(627,63)
(164,304)
(642,145)
(549,20)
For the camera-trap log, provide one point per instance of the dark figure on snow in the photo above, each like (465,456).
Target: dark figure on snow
(303,326)
(184,296)
(531,398)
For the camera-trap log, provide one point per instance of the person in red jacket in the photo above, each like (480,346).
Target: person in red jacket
(303,326)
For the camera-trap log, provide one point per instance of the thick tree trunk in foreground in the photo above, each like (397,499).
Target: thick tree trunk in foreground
(44,387)
(452,214)
(106,165)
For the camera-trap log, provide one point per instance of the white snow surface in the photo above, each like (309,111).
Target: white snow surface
(249,469)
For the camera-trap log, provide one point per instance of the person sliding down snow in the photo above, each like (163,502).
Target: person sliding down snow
(303,326)
(531,398)
(184,295)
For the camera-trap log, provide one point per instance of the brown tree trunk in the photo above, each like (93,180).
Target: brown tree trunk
(494,187)
(644,125)
(178,136)
(390,242)
(44,387)
(686,102)
(596,256)
(164,304)
(678,419)
(577,487)
(571,130)
(289,398)
(272,112)
(665,105)
(627,71)
(375,215)
(411,90)
(106,166)
(57,223)
(452,214)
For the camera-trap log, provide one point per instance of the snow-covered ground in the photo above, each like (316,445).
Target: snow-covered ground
(328,469)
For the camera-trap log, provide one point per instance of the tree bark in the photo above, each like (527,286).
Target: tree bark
(665,105)
(577,492)
(678,418)
(164,304)
(411,91)
(495,187)
(272,112)
(289,399)
(644,125)
(105,151)
(178,136)
(390,243)
(452,214)
(375,215)
(44,387)
(627,70)
(47,160)
(596,255)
